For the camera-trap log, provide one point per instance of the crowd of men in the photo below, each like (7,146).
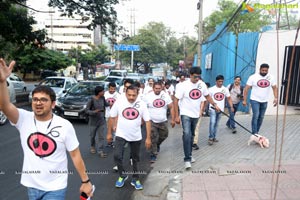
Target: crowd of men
(118,119)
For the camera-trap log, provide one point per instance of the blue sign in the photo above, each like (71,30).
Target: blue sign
(126,47)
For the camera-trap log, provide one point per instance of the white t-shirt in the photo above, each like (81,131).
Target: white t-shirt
(130,117)
(189,95)
(171,90)
(157,106)
(218,95)
(45,164)
(147,89)
(110,98)
(261,86)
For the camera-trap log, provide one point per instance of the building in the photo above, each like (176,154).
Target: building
(65,32)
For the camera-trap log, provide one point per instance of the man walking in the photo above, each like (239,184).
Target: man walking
(129,113)
(158,103)
(45,138)
(189,94)
(261,83)
(236,94)
(111,97)
(95,108)
(218,93)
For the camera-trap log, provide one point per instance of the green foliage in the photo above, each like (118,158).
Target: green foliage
(16,26)
(248,22)
(36,59)
(157,45)
(100,12)
(96,55)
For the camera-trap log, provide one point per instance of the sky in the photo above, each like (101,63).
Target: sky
(180,15)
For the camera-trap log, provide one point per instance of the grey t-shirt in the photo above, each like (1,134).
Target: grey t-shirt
(96,118)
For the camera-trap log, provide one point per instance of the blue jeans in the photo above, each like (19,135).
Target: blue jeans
(230,123)
(213,123)
(258,110)
(36,194)
(189,125)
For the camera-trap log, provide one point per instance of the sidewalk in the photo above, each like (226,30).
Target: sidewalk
(229,169)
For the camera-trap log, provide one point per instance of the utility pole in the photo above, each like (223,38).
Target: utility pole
(184,48)
(132,21)
(200,8)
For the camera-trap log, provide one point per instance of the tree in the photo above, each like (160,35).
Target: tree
(99,12)
(16,29)
(37,59)
(249,22)
(157,45)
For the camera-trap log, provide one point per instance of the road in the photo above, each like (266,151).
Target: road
(100,169)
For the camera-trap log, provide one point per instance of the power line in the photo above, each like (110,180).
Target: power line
(25,6)
(228,24)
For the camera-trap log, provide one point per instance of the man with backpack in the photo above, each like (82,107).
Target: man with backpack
(95,108)
(236,93)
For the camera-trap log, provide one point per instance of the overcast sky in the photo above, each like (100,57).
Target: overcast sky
(180,15)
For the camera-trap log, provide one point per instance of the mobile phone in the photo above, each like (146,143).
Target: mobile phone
(84,196)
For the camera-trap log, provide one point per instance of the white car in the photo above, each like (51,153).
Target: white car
(12,96)
(60,85)
(18,83)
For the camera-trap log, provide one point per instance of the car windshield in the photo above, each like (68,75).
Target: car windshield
(113,79)
(112,73)
(85,89)
(55,82)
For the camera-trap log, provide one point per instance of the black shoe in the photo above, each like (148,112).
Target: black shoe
(158,148)
(195,147)
(233,130)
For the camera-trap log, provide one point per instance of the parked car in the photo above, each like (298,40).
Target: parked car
(120,73)
(60,85)
(18,83)
(115,79)
(72,105)
(12,96)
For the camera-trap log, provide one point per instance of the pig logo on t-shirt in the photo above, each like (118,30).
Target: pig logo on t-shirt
(110,101)
(42,144)
(195,94)
(131,113)
(263,83)
(158,103)
(219,96)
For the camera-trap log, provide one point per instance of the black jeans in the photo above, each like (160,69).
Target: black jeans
(134,153)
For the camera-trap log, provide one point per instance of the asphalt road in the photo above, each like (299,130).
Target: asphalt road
(99,169)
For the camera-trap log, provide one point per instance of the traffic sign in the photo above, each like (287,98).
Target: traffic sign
(126,47)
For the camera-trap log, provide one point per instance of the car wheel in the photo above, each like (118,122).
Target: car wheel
(3,118)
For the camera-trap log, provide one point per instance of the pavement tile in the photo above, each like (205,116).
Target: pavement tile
(292,194)
(193,184)
(194,195)
(237,182)
(219,195)
(244,195)
(265,194)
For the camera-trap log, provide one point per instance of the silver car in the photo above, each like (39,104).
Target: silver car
(12,96)
(60,85)
(18,83)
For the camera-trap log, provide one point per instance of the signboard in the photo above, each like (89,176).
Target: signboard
(208,59)
(126,47)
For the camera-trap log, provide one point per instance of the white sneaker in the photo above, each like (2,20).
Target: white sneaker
(115,168)
(193,160)
(131,161)
(187,165)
